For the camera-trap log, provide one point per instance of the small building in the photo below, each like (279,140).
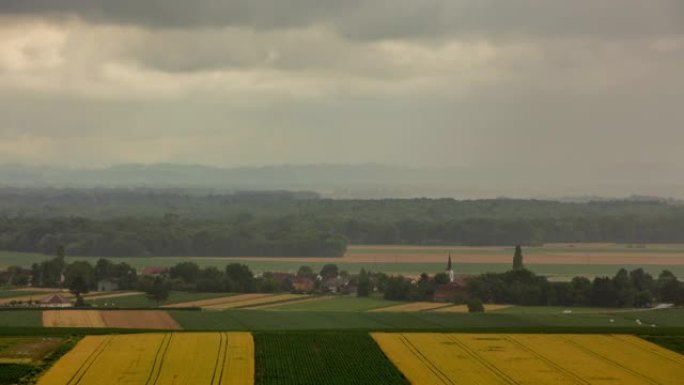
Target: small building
(154,271)
(54,300)
(458,289)
(107,285)
(303,285)
(333,285)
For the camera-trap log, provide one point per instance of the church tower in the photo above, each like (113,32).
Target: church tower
(450,270)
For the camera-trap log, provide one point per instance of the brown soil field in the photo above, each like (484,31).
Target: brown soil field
(73,319)
(139,319)
(124,319)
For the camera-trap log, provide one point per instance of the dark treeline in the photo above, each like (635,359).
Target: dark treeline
(174,222)
(171,236)
(626,289)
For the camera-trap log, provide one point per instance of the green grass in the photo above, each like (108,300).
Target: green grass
(14,373)
(322,358)
(671,320)
(21,293)
(674,343)
(21,318)
(141,300)
(345,303)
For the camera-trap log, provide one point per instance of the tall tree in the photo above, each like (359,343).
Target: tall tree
(518,258)
(158,291)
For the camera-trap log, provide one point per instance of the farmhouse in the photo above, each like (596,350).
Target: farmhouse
(154,271)
(107,285)
(54,300)
(303,285)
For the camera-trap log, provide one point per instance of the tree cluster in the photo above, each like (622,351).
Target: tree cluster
(626,289)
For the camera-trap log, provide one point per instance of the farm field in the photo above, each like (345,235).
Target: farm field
(437,358)
(123,319)
(519,318)
(241,301)
(554,260)
(141,300)
(163,358)
(338,303)
(322,358)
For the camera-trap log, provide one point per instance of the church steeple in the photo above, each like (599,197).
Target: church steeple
(449,269)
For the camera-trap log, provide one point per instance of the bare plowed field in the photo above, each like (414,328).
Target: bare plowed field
(124,319)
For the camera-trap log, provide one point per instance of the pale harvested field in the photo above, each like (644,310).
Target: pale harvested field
(444,358)
(464,308)
(270,299)
(73,319)
(124,319)
(277,304)
(35,297)
(219,300)
(161,358)
(565,254)
(411,307)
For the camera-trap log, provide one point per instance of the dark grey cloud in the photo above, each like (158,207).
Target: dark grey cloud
(379,19)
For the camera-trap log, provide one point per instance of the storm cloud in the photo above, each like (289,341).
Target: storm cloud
(557,88)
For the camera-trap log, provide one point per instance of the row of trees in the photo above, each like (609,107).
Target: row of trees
(626,289)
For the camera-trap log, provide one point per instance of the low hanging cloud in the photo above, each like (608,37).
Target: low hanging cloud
(557,87)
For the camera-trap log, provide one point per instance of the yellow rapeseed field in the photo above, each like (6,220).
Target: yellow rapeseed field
(444,358)
(159,358)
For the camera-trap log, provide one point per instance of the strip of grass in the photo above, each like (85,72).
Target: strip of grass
(671,321)
(322,358)
(21,318)
(674,343)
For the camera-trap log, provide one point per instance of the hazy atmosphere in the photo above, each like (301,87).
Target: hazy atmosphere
(532,97)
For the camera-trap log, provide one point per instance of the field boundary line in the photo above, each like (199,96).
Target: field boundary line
(429,364)
(218,359)
(83,369)
(546,360)
(163,346)
(611,362)
(653,351)
(493,368)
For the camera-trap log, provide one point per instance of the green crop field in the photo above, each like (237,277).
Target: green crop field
(20,318)
(340,303)
(321,358)
(256,320)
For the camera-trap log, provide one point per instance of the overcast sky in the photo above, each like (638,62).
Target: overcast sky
(560,87)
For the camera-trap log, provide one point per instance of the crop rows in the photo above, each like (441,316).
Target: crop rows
(443,358)
(322,358)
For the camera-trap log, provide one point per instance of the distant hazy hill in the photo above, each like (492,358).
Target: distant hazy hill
(342,181)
